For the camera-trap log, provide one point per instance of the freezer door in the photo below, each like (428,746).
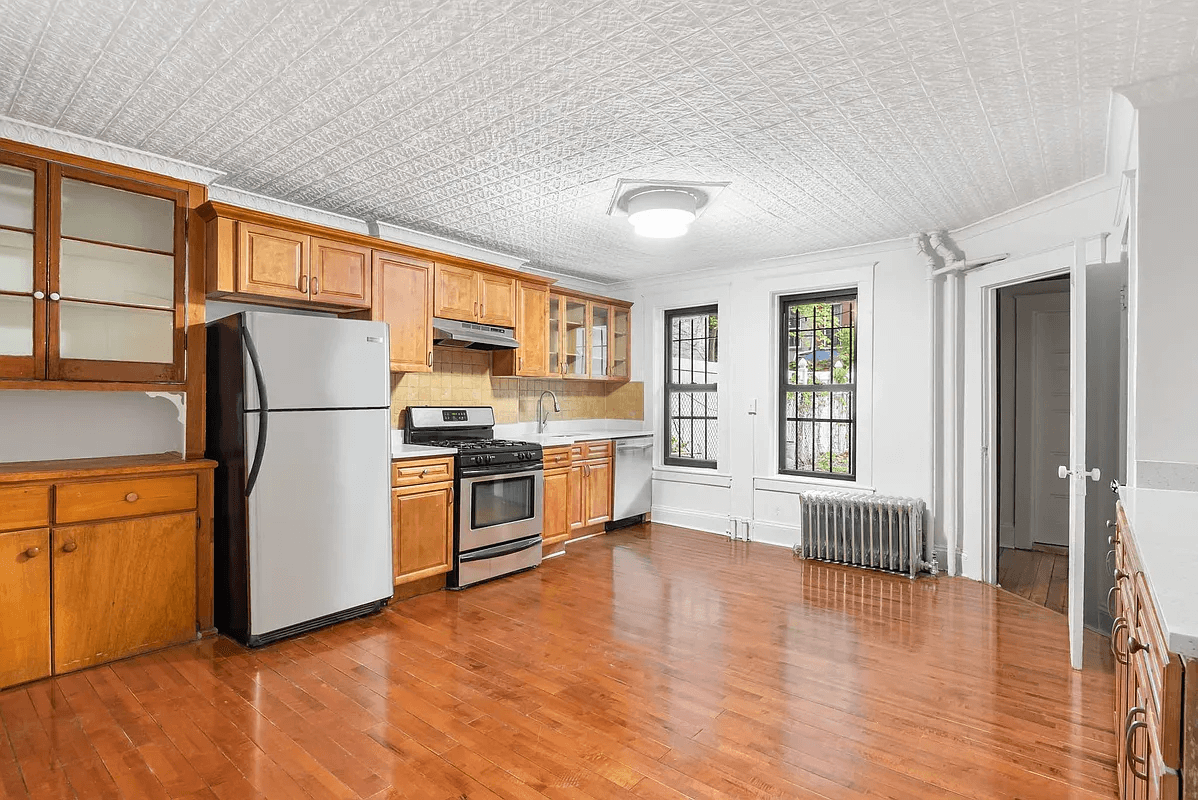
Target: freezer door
(319,515)
(318,362)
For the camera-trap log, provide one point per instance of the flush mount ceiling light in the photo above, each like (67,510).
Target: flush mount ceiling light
(661,209)
(661,213)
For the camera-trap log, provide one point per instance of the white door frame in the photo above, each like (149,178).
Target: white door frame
(980,441)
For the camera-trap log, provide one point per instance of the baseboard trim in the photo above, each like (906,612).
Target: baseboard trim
(687,518)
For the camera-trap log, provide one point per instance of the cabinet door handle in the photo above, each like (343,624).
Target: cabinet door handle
(430,358)
(476,308)
(519,362)
(32,552)
(303,283)
(1134,646)
(451,495)
(55,296)
(315,285)
(1119,624)
(131,497)
(70,547)
(1129,741)
(1109,608)
(39,295)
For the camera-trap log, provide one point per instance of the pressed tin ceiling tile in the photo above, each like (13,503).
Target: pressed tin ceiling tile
(507,123)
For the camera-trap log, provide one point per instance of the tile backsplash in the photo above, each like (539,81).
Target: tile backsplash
(463,377)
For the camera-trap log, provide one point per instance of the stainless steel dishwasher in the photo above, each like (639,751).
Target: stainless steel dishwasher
(633,496)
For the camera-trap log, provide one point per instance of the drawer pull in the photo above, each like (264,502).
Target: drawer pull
(70,547)
(131,497)
(32,552)
(1129,741)
(1134,646)
(1109,608)
(1120,657)
(424,472)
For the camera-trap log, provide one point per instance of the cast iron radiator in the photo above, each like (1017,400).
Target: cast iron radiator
(865,530)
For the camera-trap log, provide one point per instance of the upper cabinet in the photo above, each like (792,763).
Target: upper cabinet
(532,358)
(254,257)
(92,275)
(589,337)
(403,298)
(472,295)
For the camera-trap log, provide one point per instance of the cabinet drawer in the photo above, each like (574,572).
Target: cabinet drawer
(597,449)
(24,507)
(125,497)
(557,457)
(425,470)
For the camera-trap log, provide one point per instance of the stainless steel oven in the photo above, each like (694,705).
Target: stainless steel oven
(500,490)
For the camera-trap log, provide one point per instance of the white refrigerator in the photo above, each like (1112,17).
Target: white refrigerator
(299,419)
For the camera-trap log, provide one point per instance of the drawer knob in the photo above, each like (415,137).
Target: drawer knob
(131,497)
(70,547)
(32,552)
(1134,645)
(424,472)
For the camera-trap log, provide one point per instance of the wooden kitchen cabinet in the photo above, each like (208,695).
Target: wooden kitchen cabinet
(421,519)
(496,300)
(340,273)
(117,560)
(272,262)
(531,359)
(25,605)
(403,298)
(576,505)
(590,337)
(122,587)
(1151,724)
(588,486)
(598,494)
(471,295)
(93,274)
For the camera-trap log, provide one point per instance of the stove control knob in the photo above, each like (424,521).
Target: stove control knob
(478,459)
(490,459)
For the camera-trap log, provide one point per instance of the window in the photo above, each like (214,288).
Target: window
(817,408)
(692,373)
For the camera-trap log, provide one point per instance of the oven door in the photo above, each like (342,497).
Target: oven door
(500,506)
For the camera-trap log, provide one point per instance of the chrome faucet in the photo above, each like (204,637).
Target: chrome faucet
(543,418)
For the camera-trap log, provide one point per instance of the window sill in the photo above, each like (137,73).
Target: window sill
(793,484)
(702,477)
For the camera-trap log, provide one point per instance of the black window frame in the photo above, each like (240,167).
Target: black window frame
(711,310)
(850,294)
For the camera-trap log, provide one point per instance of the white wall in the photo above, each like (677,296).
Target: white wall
(894,394)
(1165,294)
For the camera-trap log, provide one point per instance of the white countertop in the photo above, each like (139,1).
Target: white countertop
(401,449)
(1164,524)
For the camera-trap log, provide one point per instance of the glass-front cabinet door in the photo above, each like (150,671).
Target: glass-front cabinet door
(620,325)
(555,335)
(116,279)
(574,339)
(600,326)
(22,268)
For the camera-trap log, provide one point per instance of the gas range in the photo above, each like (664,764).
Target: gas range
(499,486)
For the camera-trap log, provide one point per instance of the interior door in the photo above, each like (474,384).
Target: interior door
(1075,471)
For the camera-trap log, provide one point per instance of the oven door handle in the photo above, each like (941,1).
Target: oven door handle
(504,549)
(487,472)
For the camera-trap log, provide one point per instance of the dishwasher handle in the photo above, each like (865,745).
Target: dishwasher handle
(631,446)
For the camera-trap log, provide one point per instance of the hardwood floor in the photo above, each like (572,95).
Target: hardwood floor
(650,663)
(1040,575)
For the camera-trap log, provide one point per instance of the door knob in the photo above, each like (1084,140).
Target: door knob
(1094,474)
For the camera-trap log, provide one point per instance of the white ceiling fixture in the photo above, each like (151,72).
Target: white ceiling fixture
(662,209)
(661,213)
(501,124)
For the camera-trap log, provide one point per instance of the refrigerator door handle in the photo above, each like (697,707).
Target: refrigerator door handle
(263,406)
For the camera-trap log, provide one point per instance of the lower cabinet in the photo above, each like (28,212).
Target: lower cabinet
(555,526)
(99,561)
(1151,731)
(25,605)
(122,588)
(598,482)
(422,520)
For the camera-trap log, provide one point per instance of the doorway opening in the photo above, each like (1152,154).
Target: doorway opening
(1033,393)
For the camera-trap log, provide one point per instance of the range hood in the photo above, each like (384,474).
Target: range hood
(471,335)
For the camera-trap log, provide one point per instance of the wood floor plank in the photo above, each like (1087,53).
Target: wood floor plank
(651,663)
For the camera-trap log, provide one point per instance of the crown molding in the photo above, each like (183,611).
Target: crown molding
(284,208)
(40,136)
(429,241)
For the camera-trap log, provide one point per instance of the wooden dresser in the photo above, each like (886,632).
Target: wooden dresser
(101,559)
(1156,691)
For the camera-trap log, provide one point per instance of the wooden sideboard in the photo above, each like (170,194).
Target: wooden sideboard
(1156,691)
(101,559)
